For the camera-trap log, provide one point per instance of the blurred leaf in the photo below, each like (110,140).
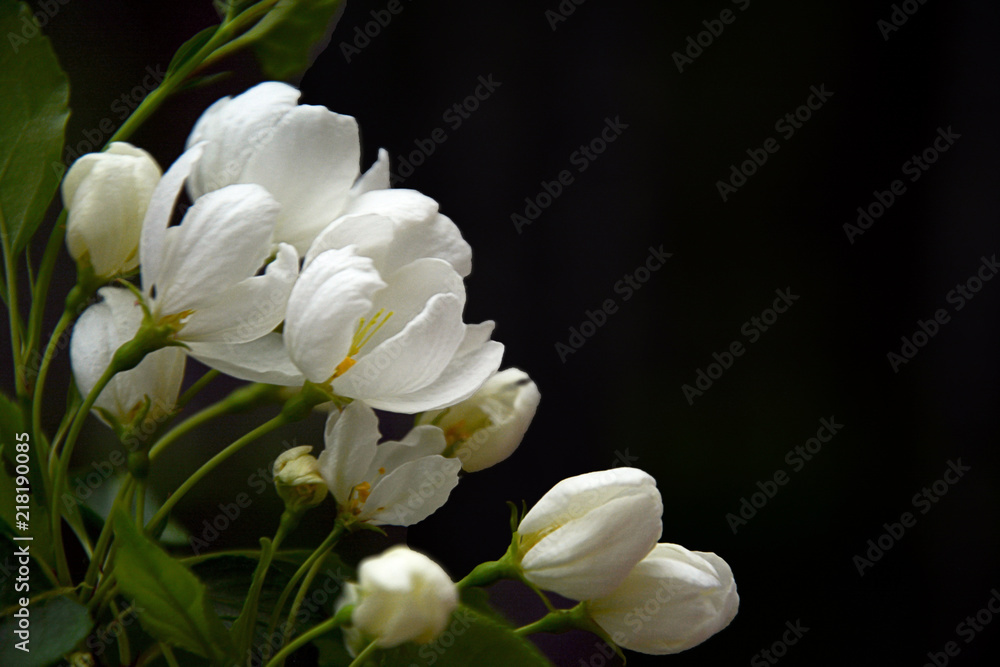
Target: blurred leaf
(471,638)
(57,626)
(34,94)
(190,47)
(169,600)
(289,35)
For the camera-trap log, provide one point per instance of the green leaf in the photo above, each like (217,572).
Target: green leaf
(471,638)
(287,35)
(34,95)
(57,626)
(190,47)
(170,601)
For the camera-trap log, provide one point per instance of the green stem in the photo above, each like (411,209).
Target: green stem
(195,388)
(124,650)
(340,618)
(320,551)
(559,620)
(301,594)
(242,630)
(364,655)
(43,371)
(289,555)
(212,464)
(241,399)
(106,533)
(10,265)
(168,655)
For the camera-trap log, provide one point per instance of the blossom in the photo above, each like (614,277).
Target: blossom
(686,597)
(99,332)
(584,536)
(401,596)
(487,427)
(201,276)
(305,156)
(297,479)
(106,196)
(397,483)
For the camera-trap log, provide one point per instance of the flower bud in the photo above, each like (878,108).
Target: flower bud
(297,479)
(686,597)
(586,534)
(401,596)
(150,389)
(106,195)
(487,427)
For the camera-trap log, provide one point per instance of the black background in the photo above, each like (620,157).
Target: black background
(619,396)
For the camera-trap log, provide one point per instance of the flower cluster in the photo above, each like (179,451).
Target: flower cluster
(292,268)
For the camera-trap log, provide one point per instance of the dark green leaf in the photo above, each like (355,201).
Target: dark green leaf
(170,601)
(34,94)
(57,626)
(471,638)
(290,34)
(190,47)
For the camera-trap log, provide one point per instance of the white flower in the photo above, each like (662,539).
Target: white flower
(401,596)
(297,479)
(305,156)
(101,330)
(201,275)
(487,427)
(586,534)
(106,195)
(685,596)
(397,483)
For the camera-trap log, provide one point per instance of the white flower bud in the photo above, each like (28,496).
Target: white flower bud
(297,479)
(487,427)
(586,534)
(401,596)
(106,195)
(686,597)
(100,331)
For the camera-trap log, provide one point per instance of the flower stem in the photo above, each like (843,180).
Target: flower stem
(341,617)
(558,620)
(211,465)
(327,544)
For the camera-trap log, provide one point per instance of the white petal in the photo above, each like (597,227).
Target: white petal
(412,492)
(262,360)
(309,164)
(324,309)
(250,308)
(234,129)
(420,231)
(369,234)
(376,178)
(351,439)
(474,362)
(222,240)
(408,292)
(419,442)
(411,359)
(159,214)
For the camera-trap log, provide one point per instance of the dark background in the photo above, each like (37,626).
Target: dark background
(619,398)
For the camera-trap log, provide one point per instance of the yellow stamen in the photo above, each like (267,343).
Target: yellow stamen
(365,331)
